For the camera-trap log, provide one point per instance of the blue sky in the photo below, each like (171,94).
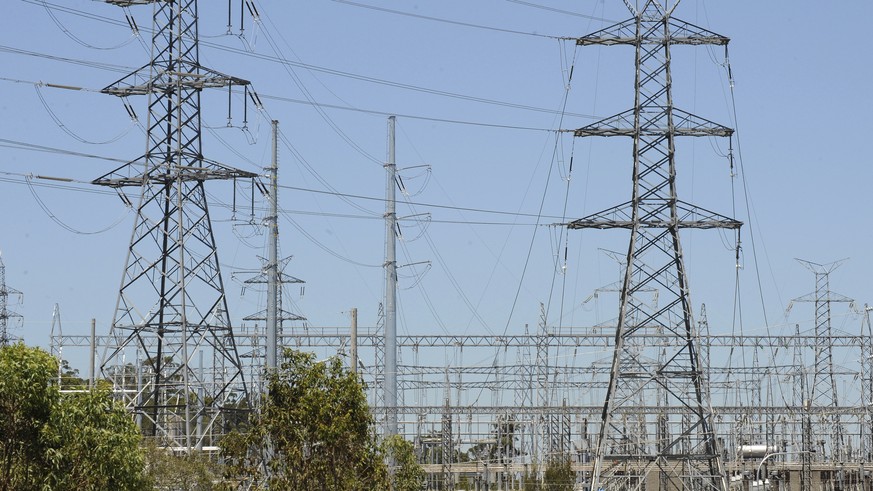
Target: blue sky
(802,98)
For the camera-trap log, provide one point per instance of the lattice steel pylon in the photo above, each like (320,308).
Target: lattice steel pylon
(822,389)
(171,305)
(5,313)
(684,453)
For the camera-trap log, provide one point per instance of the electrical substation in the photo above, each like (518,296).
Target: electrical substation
(656,398)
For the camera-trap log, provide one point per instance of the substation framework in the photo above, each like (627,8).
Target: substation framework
(537,398)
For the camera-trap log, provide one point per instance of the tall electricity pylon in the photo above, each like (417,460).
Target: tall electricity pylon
(656,358)
(5,313)
(171,307)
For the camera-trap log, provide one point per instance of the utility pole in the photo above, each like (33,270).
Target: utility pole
(668,373)
(172,301)
(390,386)
(354,340)
(272,266)
(93,351)
(272,270)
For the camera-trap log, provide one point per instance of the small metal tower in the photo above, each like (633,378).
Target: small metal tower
(656,357)
(171,304)
(5,313)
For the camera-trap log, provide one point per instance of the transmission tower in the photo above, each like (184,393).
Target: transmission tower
(667,373)
(823,388)
(5,313)
(171,306)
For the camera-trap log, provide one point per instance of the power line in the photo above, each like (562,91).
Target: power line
(58,183)
(74,61)
(321,69)
(408,116)
(332,106)
(429,205)
(560,11)
(445,21)
(4,142)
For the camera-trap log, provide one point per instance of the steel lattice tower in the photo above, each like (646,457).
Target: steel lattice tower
(5,313)
(171,307)
(822,390)
(655,358)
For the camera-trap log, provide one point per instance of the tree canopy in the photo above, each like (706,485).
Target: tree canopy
(82,440)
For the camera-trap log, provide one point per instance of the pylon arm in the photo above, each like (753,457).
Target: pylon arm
(827,297)
(689,216)
(283,278)
(168,172)
(128,3)
(167,79)
(684,124)
(284,315)
(624,33)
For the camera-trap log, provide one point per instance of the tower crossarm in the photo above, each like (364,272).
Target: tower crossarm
(652,124)
(167,77)
(284,315)
(657,217)
(163,169)
(625,33)
(129,3)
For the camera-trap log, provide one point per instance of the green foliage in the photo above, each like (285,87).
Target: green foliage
(69,377)
(503,448)
(26,403)
(405,472)
(92,443)
(169,472)
(314,432)
(559,476)
(81,440)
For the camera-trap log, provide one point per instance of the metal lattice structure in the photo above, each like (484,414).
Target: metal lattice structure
(171,307)
(675,447)
(444,433)
(821,391)
(5,313)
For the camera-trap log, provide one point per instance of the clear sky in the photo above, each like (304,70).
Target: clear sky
(478,87)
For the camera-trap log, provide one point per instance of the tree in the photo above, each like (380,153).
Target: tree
(559,476)
(82,440)
(92,443)
(69,377)
(405,472)
(167,471)
(314,431)
(26,403)
(502,448)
